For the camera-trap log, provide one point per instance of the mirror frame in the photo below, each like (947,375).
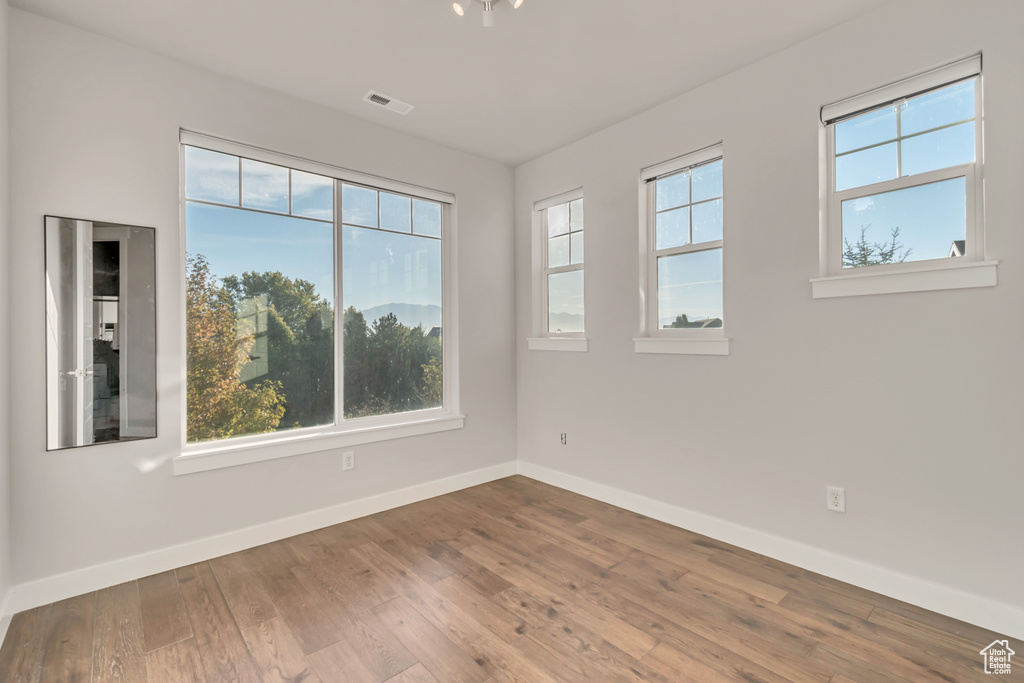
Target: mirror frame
(135,300)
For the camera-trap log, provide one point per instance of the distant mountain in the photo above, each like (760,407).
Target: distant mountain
(566,322)
(410,315)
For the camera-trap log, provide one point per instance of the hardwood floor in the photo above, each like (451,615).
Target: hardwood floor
(510,581)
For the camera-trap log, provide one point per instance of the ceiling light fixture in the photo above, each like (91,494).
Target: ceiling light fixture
(488,9)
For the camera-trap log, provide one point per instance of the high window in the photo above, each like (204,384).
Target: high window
(903,187)
(274,245)
(682,242)
(558,226)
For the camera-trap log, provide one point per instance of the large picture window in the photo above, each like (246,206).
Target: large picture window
(273,246)
(903,197)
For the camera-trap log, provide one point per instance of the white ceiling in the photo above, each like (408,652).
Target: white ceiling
(547,74)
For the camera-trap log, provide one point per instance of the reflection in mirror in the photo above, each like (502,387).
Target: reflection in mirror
(100,333)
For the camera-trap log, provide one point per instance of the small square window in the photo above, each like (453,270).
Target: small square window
(903,197)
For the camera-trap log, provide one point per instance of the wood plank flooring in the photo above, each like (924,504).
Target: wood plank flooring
(510,581)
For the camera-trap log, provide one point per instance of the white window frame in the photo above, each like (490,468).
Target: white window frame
(209,455)
(543,339)
(652,339)
(969,270)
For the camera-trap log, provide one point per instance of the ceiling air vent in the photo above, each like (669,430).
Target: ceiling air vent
(389,103)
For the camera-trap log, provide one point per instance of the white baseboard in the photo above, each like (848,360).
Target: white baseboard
(936,597)
(53,588)
(5,615)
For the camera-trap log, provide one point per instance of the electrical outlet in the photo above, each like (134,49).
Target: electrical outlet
(348,460)
(564,440)
(835,499)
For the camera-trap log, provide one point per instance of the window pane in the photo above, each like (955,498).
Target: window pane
(707,221)
(913,224)
(673,228)
(211,176)
(672,191)
(565,302)
(690,290)
(707,181)
(558,251)
(261,288)
(426,218)
(558,220)
(392,300)
(312,196)
(358,206)
(576,215)
(938,108)
(867,129)
(866,167)
(264,186)
(395,212)
(576,248)
(939,149)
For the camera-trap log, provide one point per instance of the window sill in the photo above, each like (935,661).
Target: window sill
(557,344)
(204,457)
(960,276)
(698,346)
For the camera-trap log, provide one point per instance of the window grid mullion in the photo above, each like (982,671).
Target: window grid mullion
(904,182)
(689,248)
(689,222)
(899,138)
(339,311)
(263,211)
(690,204)
(564,269)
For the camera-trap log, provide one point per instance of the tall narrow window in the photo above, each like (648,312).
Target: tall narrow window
(903,194)
(683,230)
(559,286)
(274,245)
(391,293)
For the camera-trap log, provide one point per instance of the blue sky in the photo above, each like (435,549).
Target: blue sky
(924,133)
(380,267)
(929,218)
(690,283)
(235,241)
(565,296)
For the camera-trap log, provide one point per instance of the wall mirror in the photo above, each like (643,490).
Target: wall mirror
(100,332)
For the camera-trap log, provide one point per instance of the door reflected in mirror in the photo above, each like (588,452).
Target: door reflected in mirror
(100,333)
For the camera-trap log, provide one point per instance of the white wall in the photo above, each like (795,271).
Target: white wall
(5,488)
(94,130)
(912,402)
